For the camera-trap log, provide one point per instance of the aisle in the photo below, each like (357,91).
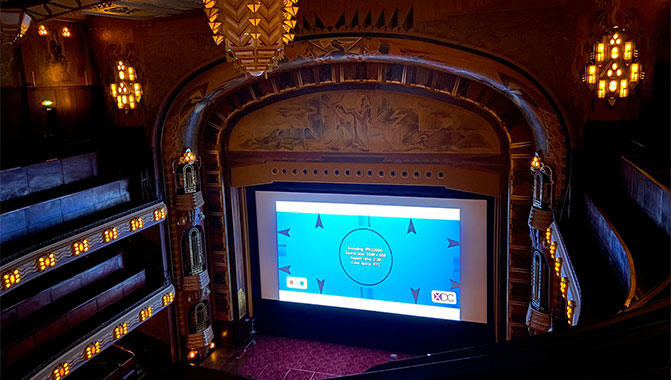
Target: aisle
(276,358)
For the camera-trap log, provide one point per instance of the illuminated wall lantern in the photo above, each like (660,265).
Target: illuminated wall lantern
(126,90)
(42,30)
(558,263)
(212,345)
(66,32)
(612,69)
(553,249)
(45,262)
(159,214)
(193,354)
(136,224)
(570,308)
(10,278)
(61,371)
(536,162)
(79,247)
(110,235)
(168,298)
(146,313)
(120,330)
(91,350)
(563,286)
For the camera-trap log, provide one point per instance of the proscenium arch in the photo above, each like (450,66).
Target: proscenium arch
(200,114)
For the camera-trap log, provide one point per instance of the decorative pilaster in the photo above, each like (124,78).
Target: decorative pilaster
(190,261)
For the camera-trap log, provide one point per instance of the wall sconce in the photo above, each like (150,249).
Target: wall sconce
(570,307)
(168,298)
(159,214)
(120,330)
(66,32)
(42,30)
(146,313)
(136,224)
(613,68)
(188,157)
(61,371)
(91,350)
(548,235)
(126,90)
(10,278)
(46,261)
(79,247)
(558,263)
(110,235)
(553,249)
(563,286)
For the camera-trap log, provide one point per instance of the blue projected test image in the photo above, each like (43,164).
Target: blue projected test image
(397,259)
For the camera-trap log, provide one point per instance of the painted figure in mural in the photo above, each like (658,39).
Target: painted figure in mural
(55,50)
(342,136)
(362,118)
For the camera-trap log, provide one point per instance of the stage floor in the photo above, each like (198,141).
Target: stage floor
(277,358)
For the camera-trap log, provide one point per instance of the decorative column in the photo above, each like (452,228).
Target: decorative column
(190,267)
(543,287)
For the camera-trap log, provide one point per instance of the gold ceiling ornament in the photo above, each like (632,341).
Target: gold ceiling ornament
(125,89)
(255,31)
(612,65)
(13,25)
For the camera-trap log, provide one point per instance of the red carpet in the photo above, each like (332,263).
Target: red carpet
(275,358)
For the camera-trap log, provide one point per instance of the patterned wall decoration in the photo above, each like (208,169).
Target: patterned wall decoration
(529,114)
(317,17)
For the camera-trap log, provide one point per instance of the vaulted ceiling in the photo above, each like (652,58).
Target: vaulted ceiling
(41,10)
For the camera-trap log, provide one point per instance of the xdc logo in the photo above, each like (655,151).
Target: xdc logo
(440,296)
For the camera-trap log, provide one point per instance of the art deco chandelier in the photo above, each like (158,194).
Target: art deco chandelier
(613,69)
(255,31)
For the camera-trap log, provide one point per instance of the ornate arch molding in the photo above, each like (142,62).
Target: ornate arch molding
(206,108)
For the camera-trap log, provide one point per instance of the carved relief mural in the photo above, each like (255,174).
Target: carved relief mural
(364,121)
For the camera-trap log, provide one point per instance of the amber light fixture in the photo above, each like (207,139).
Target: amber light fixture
(553,249)
(159,214)
(570,309)
(613,69)
(61,371)
(42,30)
(255,31)
(120,330)
(563,287)
(10,278)
(126,90)
(45,262)
(168,298)
(66,32)
(79,247)
(91,350)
